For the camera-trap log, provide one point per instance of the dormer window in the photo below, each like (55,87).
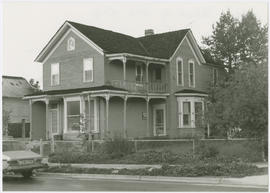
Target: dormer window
(71,44)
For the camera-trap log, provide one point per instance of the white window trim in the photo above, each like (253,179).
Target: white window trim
(96,115)
(213,75)
(163,106)
(58,120)
(68,43)
(58,74)
(136,73)
(91,72)
(191,61)
(192,101)
(69,99)
(177,78)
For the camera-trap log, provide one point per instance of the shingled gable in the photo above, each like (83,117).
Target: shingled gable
(158,46)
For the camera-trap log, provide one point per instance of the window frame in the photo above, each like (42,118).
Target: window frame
(215,71)
(180,111)
(191,61)
(136,73)
(177,72)
(58,79)
(66,100)
(96,114)
(91,66)
(70,48)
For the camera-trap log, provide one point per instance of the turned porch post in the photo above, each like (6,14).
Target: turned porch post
(30,119)
(147,76)
(147,114)
(47,119)
(89,112)
(125,117)
(107,113)
(124,68)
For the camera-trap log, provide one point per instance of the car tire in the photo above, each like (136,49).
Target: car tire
(27,174)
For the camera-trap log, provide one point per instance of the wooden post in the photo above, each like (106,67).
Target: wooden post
(30,118)
(147,119)
(107,114)
(147,76)
(193,147)
(135,145)
(125,117)
(48,133)
(23,128)
(124,68)
(41,152)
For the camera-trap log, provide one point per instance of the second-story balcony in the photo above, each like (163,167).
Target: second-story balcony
(140,87)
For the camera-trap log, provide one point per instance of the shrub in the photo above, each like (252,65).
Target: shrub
(118,147)
(207,152)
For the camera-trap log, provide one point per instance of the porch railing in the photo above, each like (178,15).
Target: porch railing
(141,87)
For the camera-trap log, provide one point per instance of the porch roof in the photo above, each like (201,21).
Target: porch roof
(190,91)
(76,90)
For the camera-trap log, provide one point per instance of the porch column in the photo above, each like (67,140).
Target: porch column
(147,114)
(125,117)
(89,112)
(30,119)
(107,97)
(147,76)
(47,119)
(124,68)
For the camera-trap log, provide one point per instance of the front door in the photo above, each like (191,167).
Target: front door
(159,116)
(53,122)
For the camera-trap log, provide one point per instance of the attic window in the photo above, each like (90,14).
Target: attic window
(71,44)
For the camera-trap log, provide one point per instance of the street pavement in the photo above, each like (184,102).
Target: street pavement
(45,182)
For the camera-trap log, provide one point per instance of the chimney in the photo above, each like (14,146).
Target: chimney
(148,32)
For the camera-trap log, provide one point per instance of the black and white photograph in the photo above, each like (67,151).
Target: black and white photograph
(134,96)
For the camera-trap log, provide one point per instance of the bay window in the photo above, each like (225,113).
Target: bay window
(190,112)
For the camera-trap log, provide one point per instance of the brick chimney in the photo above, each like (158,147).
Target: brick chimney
(148,32)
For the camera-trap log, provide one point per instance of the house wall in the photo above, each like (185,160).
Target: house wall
(203,80)
(71,65)
(38,121)
(18,108)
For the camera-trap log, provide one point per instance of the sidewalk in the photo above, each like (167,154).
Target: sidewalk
(258,181)
(252,181)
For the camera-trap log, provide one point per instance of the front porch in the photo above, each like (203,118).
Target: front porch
(103,113)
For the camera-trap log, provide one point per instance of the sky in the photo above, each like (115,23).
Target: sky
(28,26)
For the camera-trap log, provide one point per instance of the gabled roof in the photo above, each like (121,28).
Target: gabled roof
(14,86)
(111,42)
(76,90)
(163,45)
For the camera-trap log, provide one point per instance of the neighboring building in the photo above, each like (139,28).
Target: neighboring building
(13,90)
(135,87)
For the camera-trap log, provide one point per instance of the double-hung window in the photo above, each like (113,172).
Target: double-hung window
(55,74)
(73,114)
(139,73)
(179,71)
(191,73)
(88,70)
(190,112)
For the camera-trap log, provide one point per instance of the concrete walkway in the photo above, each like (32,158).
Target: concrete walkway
(252,181)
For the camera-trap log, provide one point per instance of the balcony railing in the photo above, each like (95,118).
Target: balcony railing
(141,87)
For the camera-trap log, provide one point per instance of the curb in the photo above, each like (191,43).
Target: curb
(199,180)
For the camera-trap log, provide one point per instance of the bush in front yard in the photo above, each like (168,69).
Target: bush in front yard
(118,147)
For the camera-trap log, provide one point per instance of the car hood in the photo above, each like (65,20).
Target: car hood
(16,155)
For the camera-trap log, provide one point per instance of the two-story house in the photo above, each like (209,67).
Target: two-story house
(120,85)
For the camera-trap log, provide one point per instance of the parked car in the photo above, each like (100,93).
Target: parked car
(23,162)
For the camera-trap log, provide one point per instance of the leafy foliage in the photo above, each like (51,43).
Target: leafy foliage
(234,42)
(241,102)
(5,121)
